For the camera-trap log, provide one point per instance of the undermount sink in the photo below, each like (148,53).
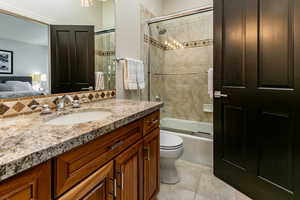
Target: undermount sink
(80,117)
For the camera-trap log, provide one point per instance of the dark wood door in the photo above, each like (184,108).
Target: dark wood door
(257,64)
(72,58)
(98,186)
(151,165)
(129,173)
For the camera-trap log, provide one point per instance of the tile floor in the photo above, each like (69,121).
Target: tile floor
(198,183)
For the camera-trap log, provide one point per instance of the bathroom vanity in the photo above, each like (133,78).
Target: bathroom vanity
(113,158)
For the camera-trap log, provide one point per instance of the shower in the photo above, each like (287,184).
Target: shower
(161,31)
(180,56)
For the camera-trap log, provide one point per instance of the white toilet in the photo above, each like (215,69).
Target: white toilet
(171,149)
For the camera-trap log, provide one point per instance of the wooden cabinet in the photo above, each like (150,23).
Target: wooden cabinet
(72,167)
(121,165)
(151,122)
(98,186)
(151,165)
(34,184)
(129,173)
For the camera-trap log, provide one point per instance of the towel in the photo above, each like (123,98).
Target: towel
(130,74)
(211,82)
(133,74)
(140,74)
(99,79)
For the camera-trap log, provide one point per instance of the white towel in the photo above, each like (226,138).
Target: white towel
(133,74)
(130,74)
(99,79)
(211,83)
(140,75)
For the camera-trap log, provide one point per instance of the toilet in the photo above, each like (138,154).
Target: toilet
(171,149)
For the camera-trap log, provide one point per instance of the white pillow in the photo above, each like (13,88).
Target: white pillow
(20,86)
(6,88)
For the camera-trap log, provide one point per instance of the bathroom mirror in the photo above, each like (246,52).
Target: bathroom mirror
(28,66)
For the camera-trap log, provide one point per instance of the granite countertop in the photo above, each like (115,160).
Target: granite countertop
(26,141)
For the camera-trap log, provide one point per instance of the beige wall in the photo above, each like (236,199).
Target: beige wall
(171,6)
(108,14)
(179,77)
(67,12)
(128,34)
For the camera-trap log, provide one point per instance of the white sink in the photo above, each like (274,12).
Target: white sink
(80,117)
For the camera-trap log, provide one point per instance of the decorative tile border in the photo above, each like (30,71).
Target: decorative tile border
(154,42)
(195,44)
(105,53)
(190,44)
(27,105)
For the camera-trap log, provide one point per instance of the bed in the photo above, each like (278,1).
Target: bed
(17,94)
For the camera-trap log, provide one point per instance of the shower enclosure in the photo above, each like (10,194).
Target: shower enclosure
(180,54)
(105,57)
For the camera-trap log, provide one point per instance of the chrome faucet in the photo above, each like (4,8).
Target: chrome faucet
(61,100)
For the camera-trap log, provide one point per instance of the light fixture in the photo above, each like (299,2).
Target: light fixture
(86,3)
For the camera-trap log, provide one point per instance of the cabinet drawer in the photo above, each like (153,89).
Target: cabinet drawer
(72,167)
(151,122)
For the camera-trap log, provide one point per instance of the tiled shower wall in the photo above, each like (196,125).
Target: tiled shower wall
(104,58)
(180,76)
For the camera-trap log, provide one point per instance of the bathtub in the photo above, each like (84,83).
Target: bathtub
(197,139)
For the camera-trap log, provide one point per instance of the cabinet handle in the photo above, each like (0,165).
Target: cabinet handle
(116,145)
(152,122)
(122,181)
(115,187)
(147,151)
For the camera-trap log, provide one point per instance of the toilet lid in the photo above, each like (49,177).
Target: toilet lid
(169,140)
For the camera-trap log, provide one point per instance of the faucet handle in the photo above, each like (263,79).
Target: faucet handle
(76,104)
(46,109)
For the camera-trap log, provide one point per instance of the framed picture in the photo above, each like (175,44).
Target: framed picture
(6,62)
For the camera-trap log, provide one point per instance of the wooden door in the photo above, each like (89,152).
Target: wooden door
(257,64)
(151,165)
(72,58)
(34,184)
(129,173)
(98,186)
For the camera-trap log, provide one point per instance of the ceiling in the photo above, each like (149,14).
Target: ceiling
(17,29)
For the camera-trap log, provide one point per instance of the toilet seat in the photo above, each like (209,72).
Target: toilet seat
(170,142)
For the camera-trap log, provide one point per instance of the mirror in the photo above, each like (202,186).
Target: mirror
(28,66)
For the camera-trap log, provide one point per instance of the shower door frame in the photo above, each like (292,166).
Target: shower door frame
(175,15)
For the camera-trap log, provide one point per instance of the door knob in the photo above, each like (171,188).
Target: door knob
(218,95)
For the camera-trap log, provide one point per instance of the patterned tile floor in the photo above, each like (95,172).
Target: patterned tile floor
(198,183)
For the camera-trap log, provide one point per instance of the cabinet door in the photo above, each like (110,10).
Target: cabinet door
(34,184)
(72,58)
(151,165)
(129,173)
(98,186)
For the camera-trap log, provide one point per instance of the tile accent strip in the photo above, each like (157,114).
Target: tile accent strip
(189,44)
(27,105)
(105,53)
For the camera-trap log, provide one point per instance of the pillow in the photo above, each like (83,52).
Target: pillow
(20,86)
(6,88)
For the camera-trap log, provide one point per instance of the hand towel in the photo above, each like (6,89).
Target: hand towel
(130,74)
(211,83)
(99,78)
(140,74)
